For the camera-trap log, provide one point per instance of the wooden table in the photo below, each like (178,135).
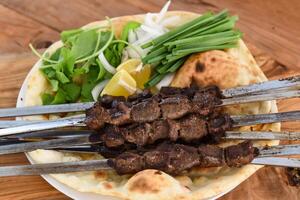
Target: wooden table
(272,26)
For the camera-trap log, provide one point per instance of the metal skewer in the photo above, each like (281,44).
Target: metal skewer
(261,135)
(229,101)
(284,85)
(261,97)
(290,82)
(81,140)
(238,120)
(93,165)
(247,120)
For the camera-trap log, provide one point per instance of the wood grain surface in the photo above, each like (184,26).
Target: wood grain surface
(272,30)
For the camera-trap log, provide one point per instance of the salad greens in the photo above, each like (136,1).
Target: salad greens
(207,32)
(74,69)
(89,56)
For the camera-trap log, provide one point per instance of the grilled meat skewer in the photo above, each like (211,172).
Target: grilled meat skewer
(203,156)
(90,142)
(243,120)
(278,86)
(170,103)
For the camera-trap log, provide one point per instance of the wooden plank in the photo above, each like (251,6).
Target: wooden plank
(18,31)
(278,34)
(13,70)
(14,67)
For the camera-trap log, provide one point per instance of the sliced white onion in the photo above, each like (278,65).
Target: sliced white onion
(148,21)
(98,89)
(106,64)
(165,81)
(162,12)
(153,31)
(125,56)
(170,21)
(132,37)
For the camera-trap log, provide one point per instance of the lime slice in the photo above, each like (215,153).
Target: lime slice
(121,84)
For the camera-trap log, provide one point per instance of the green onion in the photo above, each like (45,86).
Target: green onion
(200,49)
(207,32)
(179,30)
(154,80)
(164,68)
(177,65)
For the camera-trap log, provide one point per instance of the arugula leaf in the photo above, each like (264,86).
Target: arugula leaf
(47,98)
(54,84)
(62,77)
(131,25)
(59,97)
(89,83)
(49,72)
(68,62)
(84,44)
(55,56)
(72,91)
(65,35)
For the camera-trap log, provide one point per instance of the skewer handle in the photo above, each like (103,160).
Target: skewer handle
(247,120)
(261,97)
(275,161)
(49,109)
(290,82)
(93,165)
(261,135)
(54,168)
(43,126)
(279,150)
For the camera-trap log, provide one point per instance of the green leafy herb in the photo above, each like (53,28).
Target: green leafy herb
(59,98)
(47,98)
(84,44)
(72,91)
(66,35)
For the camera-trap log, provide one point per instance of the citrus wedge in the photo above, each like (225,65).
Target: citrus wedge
(135,68)
(121,84)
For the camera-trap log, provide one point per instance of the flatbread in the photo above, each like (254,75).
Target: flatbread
(226,69)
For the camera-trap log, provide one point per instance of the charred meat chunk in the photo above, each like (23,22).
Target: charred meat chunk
(190,128)
(111,136)
(211,156)
(175,107)
(96,116)
(175,158)
(239,155)
(127,163)
(146,111)
(170,103)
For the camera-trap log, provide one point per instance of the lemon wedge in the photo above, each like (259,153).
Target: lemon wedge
(135,68)
(121,84)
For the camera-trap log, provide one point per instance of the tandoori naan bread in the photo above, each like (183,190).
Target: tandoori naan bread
(226,69)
